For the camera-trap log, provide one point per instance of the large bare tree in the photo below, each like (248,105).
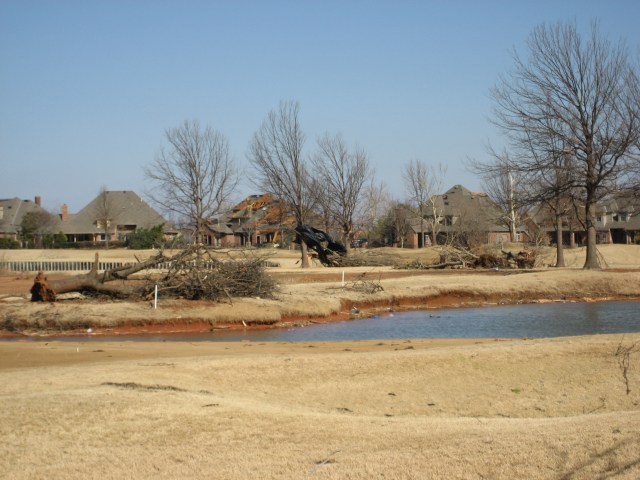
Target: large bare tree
(276,155)
(578,91)
(343,173)
(193,175)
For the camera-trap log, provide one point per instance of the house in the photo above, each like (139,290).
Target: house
(617,221)
(461,215)
(256,220)
(121,212)
(12,212)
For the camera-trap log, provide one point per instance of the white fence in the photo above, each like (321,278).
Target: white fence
(75,266)
(57,266)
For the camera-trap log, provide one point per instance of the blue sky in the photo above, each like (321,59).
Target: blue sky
(88,88)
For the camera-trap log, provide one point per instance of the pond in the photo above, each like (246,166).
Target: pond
(514,321)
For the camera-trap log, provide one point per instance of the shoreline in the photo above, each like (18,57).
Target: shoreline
(318,295)
(367,311)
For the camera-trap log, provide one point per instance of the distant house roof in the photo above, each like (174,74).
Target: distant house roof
(253,203)
(260,213)
(464,205)
(123,207)
(12,211)
(219,228)
(624,211)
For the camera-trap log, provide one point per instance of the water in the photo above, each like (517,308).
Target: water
(515,321)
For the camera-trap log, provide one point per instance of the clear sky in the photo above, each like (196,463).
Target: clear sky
(88,88)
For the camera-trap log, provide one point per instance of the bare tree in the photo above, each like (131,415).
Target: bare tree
(579,92)
(504,184)
(422,183)
(193,175)
(343,173)
(36,225)
(393,226)
(275,153)
(400,215)
(104,214)
(434,204)
(555,188)
(375,203)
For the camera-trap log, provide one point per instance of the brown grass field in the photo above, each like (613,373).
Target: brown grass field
(398,409)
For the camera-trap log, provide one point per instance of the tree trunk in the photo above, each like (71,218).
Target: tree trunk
(512,210)
(559,246)
(304,258)
(591,261)
(45,291)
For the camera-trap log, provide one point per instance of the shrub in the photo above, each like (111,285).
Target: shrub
(145,238)
(8,244)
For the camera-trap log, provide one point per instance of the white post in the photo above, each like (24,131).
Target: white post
(155,300)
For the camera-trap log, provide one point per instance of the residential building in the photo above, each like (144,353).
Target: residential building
(122,211)
(12,212)
(256,220)
(461,215)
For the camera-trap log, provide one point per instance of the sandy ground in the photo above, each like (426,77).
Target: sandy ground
(564,408)
(401,409)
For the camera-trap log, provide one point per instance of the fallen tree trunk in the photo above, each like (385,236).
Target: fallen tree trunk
(44,290)
(192,274)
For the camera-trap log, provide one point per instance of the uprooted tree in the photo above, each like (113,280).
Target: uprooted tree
(192,274)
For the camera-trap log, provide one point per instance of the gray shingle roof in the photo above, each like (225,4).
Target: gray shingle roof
(124,207)
(464,205)
(13,211)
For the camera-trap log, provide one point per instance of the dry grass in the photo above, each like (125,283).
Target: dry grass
(399,409)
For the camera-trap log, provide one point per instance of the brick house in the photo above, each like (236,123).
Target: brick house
(257,220)
(123,212)
(460,213)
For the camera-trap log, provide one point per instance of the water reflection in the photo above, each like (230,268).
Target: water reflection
(547,320)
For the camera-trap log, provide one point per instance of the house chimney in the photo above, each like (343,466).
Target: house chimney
(64,212)
(38,201)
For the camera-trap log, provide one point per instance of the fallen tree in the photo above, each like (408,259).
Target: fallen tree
(462,258)
(192,274)
(324,245)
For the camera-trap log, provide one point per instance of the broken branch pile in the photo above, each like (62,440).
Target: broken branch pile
(193,274)
(205,277)
(364,285)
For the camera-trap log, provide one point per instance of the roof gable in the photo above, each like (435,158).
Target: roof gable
(13,210)
(122,207)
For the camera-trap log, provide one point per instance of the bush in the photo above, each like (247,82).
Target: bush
(144,238)
(8,244)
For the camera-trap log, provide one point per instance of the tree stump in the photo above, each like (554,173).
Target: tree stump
(40,291)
